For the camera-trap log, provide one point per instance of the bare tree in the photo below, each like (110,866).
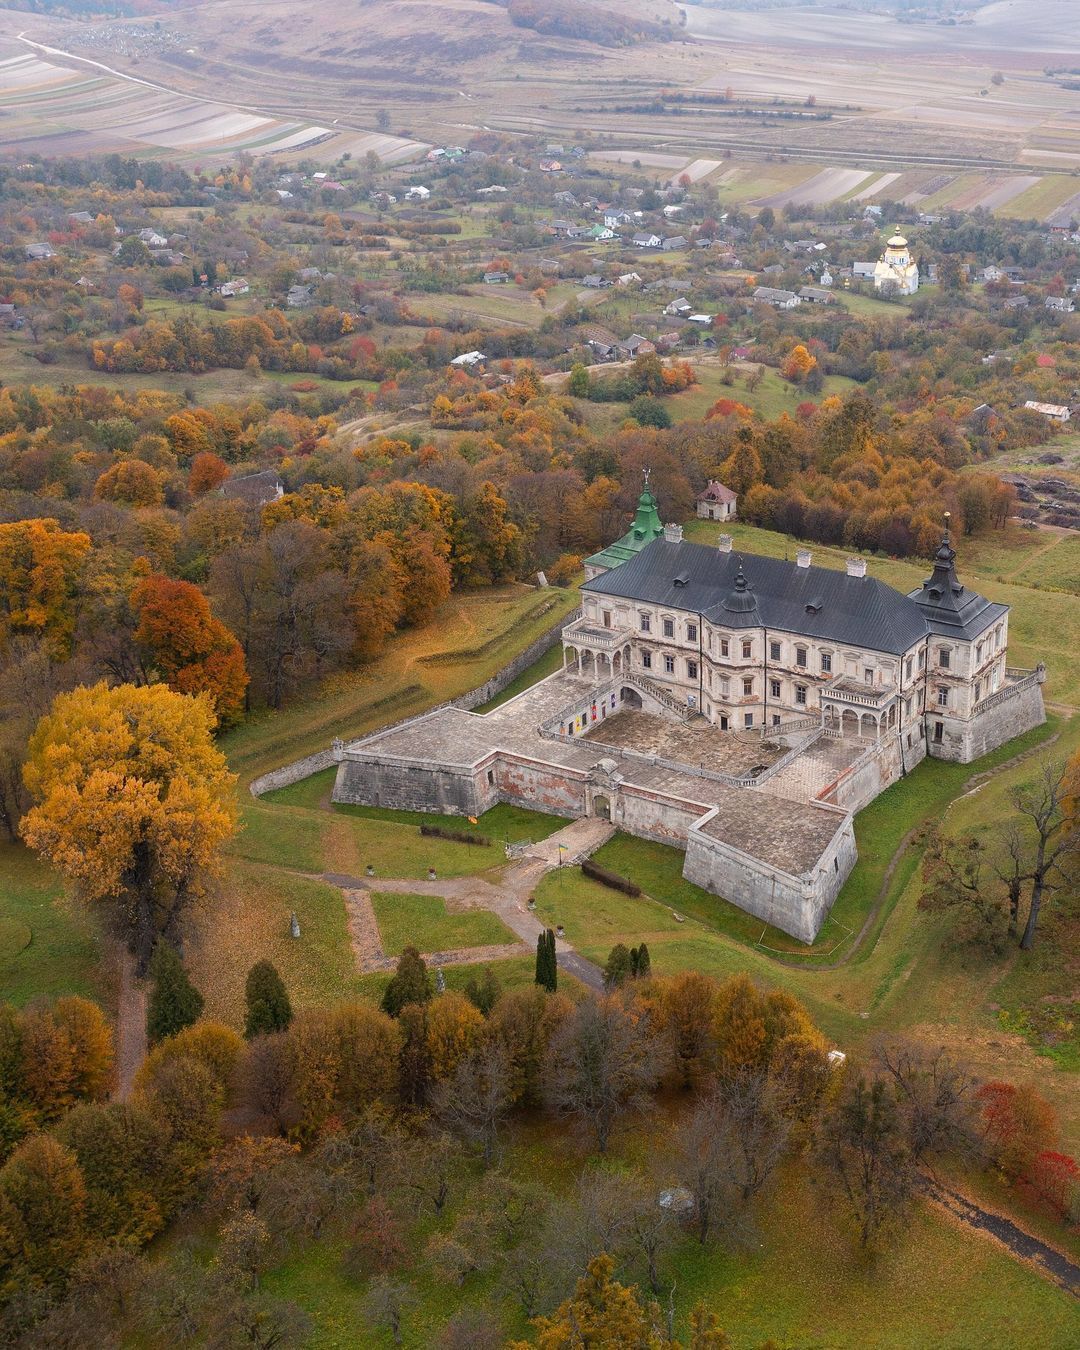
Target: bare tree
(387,1303)
(700,1162)
(749,1111)
(369,1155)
(473,1102)
(428,1168)
(471,1328)
(935,1095)
(602,1064)
(1057,837)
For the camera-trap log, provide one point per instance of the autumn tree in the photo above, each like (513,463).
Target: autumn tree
(132,802)
(194,652)
(798,363)
(208,471)
(132,482)
(454,1027)
(41,567)
(601,1065)
(474,1099)
(1043,806)
(43,1210)
(601,1312)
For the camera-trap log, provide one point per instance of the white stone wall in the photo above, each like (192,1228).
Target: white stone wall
(963,740)
(795,905)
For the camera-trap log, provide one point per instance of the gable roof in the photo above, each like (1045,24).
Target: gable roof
(747,591)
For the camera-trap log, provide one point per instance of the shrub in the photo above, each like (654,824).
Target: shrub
(455,836)
(611,879)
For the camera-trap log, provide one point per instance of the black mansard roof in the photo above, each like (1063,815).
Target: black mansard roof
(748,591)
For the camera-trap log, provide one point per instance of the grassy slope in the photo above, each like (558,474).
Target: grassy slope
(473,635)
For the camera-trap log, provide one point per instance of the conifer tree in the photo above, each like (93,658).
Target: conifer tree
(547,970)
(619,966)
(175,1003)
(640,962)
(268,1006)
(411,983)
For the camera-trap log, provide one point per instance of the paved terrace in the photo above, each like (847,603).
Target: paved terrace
(790,835)
(695,742)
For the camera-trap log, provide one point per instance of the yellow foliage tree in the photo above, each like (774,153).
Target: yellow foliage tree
(133,801)
(40,569)
(454,1026)
(601,1313)
(798,364)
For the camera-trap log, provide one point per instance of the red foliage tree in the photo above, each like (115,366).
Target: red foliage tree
(208,471)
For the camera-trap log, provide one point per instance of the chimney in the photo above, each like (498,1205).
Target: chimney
(803,558)
(856,567)
(673,534)
(724,543)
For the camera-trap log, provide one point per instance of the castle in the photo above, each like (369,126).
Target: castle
(738,707)
(896,270)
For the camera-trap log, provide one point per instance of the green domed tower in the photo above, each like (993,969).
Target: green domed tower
(647,526)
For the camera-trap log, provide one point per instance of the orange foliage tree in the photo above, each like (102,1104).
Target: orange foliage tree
(40,569)
(194,652)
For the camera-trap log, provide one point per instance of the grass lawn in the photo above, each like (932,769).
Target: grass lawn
(49,945)
(424,922)
(473,635)
(773,396)
(249,921)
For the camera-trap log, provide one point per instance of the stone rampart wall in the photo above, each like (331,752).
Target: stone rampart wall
(875,770)
(795,905)
(1004,718)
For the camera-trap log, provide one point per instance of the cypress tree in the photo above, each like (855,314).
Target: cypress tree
(268,1006)
(174,1003)
(643,963)
(547,972)
(411,983)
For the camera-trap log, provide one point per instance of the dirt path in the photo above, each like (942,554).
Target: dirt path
(130,1027)
(506,894)
(1044,1260)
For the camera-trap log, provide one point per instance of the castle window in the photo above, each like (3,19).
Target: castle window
(646,660)
(978,654)
(747,649)
(800,694)
(907,669)
(774,651)
(939,731)
(774,688)
(868,675)
(691,632)
(747,687)
(607,618)
(826,663)
(748,719)
(725,687)
(491,777)
(978,689)
(669,665)
(922,658)
(669,627)
(775,719)
(691,670)
(724,647)
(646,623)
(943,658)
(943,696)
(800,657)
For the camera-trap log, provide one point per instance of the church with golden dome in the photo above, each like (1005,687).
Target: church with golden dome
(896,270)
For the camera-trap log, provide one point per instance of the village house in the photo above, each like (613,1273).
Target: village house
(779,299)
(646,239)
(39,252)
(678,307)
(496,278)
(254,489)
(237,286)
(469,360)
(816,296)
(419,193)
(1059,304)
(635,345)
(717,502)
(1053,412)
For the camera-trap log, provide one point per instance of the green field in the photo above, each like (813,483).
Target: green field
(423,921)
